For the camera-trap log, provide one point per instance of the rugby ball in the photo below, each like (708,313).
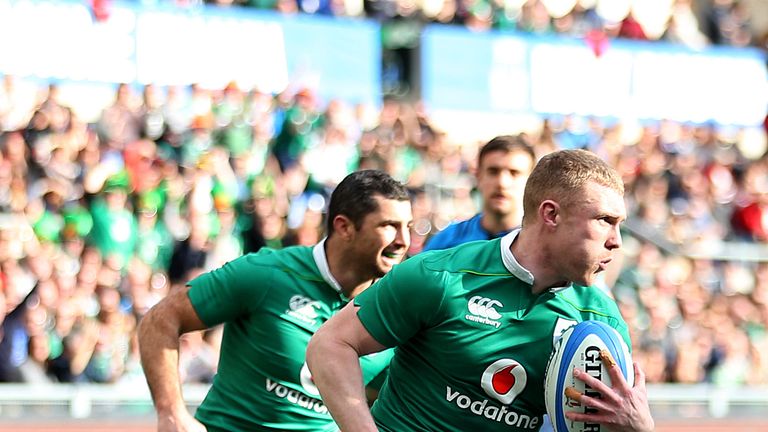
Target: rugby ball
(579,347)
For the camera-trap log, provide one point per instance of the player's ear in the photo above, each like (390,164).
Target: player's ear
(548,212)
(344,227)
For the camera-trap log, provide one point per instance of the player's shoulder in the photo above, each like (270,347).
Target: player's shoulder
(587,295)
(479,256)
(591,301)
(297,258)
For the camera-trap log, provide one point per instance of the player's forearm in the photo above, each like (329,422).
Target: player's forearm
(336,372)
(159,349)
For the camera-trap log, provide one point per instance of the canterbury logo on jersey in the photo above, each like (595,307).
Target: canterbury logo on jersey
(303,308)
(483,310)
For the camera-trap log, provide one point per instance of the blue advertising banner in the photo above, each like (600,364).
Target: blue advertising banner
(520,73)
(163,44)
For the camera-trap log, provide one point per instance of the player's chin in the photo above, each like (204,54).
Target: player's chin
(500,205)
(382,269)
(386,262)
(587,279)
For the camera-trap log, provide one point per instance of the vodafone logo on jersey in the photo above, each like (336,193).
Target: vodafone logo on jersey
(504,380)
(305,377)
(308,399)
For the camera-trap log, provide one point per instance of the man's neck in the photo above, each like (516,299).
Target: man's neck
(532,255)
(495,223)
(350,279)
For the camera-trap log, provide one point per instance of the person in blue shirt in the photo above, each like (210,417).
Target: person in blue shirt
(503,166)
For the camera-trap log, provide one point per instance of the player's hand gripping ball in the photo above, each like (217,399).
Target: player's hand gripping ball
(580,346)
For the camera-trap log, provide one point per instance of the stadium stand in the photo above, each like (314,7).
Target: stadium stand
(101,217)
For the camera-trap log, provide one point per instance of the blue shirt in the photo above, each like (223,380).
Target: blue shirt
(461,232)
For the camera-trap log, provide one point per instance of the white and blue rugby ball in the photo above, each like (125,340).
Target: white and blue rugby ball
(579,347)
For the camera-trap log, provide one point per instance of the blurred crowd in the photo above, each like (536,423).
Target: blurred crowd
(99,220)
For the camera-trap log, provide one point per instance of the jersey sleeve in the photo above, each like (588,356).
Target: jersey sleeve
(612,316)
(594,304)
(617,322)
(230,291)
(401,303)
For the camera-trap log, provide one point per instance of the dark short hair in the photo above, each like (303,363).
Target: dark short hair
(354,196)
(506,144)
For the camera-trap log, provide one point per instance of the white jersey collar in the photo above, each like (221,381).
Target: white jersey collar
(321,260)
(514,267)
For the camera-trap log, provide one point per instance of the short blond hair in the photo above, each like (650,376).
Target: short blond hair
(561,175)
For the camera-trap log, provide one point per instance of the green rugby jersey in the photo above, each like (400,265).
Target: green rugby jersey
(472,341)
(272,303)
